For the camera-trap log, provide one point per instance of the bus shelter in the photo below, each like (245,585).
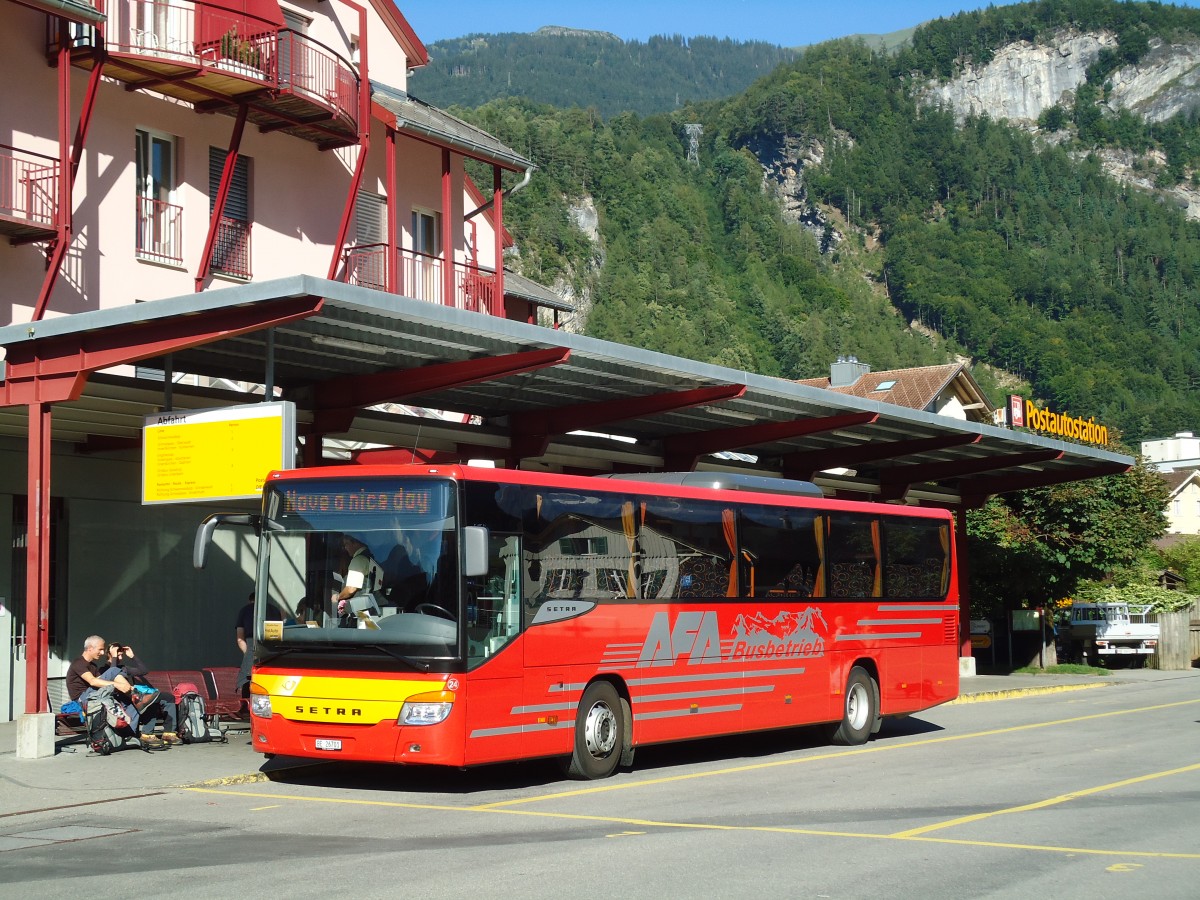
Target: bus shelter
(357,363)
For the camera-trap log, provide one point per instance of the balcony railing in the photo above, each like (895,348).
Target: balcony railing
(159,231)
(152,29)
(28,186)
(231,249)
(421,278)
(189,50)
(308,69)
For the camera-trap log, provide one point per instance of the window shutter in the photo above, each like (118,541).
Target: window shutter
(237,207)
(370,219)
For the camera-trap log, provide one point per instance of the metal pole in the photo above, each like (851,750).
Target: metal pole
(269,375)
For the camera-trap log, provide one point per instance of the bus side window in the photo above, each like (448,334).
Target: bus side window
(782,548)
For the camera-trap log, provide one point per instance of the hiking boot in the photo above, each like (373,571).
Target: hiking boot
(170,737)
(151,741)
(141,701)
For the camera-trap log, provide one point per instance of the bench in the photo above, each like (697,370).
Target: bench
(66,725)
(168,679)
(225,700)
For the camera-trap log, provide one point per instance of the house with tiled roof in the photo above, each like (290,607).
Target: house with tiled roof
(947,390)
(1183,502)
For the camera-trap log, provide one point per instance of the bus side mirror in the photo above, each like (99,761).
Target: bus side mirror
(205,532)
(475,551)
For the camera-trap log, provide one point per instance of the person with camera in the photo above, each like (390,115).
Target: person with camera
(122,657)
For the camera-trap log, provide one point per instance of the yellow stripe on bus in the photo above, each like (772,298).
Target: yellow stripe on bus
(392,690)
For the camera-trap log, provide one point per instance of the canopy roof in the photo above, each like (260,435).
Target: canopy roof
(337,349)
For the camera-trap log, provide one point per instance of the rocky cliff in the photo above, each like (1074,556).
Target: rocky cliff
(1024,79)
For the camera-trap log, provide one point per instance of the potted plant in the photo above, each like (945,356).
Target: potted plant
(238,50)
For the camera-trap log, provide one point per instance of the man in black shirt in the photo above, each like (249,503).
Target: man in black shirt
(85,676)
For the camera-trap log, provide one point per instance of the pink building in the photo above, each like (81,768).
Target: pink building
(154,148)
(149,149)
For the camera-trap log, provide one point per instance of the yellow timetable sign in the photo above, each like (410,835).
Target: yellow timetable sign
(215,454)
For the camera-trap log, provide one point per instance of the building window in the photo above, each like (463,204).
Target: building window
(427,232)
(159,220)
(231,249)
(425,281)
(370,219)
(366,261)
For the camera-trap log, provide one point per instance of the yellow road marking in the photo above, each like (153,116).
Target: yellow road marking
(1124,867)
(709,826)
(919,835)
(856,751)
(1042,804)
(261,808)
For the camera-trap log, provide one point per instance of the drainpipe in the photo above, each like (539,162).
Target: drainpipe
(512,190)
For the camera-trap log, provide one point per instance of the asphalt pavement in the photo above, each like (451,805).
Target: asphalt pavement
(75,776)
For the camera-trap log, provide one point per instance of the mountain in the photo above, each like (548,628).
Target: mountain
(1010,189)
(568,67)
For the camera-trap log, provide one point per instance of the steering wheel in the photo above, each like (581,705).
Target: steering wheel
(434,610)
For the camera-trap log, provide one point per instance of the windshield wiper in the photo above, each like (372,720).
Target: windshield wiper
(340,648)
(275,654)
(415,663)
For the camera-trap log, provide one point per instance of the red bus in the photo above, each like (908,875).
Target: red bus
(454,616)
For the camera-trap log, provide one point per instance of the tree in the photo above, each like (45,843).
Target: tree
(1034,546)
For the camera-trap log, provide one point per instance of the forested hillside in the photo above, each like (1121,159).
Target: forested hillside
(592,69)
(1006,246)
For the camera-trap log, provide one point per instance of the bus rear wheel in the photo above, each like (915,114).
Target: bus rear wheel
(599,733)
(859,710)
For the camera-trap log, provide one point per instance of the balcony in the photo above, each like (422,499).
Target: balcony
(28,195)
(159,231)
(421,278)
(217,60)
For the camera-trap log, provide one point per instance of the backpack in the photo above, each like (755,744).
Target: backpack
(193,721)
(108,727)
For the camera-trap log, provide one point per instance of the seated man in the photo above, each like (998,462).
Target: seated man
(363,575)
(85,677)
(122,657)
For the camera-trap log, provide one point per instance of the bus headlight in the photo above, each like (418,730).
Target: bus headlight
(260,705)
(426,709)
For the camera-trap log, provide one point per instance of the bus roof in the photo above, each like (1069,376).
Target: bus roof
(697,485)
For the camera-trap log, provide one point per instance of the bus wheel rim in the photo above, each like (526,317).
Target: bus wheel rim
(600,731)
(856,706)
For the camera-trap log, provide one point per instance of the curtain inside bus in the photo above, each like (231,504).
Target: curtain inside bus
(819,533)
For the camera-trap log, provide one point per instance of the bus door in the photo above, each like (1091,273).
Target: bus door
(495,669)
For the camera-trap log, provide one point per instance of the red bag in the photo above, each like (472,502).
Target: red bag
(185,687)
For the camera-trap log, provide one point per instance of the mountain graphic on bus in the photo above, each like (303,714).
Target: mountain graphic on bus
(788,635)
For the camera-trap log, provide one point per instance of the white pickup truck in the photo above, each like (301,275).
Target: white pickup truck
(1112,633)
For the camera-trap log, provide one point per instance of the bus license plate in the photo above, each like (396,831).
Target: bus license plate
(328,744)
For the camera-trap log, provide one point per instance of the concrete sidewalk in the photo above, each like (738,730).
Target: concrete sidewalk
(75,777)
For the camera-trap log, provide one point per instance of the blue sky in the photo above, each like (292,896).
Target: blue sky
(789,23)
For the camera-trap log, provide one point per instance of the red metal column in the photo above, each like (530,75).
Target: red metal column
(394,282)
(364,138)
(964,582)
(62,215)
(231,158)
(37,556)
(498,306)
(448,298)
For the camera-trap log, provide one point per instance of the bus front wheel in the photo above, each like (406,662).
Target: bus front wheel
(859,710)
(599,733)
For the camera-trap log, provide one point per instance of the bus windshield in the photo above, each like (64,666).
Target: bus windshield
(361,562)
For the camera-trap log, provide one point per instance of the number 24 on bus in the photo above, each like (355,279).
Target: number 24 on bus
(457,616)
